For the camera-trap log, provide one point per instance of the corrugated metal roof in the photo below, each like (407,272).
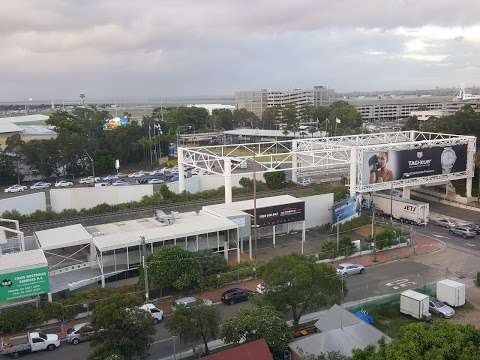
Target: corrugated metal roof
(23,260)
(24,118)
(248,204)
(9,127)
(253,350)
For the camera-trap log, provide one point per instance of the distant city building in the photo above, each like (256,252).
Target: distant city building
(211,107)
(381,109)
(258,101)
(424,115)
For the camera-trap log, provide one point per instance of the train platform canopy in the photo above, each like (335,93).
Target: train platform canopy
(23,260)
(127,233)
(63,237)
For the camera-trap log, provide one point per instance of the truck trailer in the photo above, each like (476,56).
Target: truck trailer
(405,210)
(415,304)
(451,292)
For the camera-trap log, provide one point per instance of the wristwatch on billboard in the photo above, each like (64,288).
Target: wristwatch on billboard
(447,160)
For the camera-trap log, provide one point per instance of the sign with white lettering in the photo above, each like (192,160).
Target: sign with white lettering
(385,166)
(25,283)
(280,214)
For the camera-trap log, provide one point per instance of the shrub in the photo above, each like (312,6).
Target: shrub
(328,249)
(346,246)
(275,180)
(19,319)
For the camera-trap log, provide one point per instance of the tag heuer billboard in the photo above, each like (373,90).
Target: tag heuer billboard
(25,283)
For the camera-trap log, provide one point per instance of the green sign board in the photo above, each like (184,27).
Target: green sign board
(25,283)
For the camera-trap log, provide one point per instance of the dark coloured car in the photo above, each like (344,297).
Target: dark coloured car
(474,227)
(235,295)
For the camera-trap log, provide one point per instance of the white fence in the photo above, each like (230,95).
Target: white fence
(24,204)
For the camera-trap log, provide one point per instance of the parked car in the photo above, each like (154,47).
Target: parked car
(347,269)
(235,295)
(120,183)
(15,189)
(63,183)
(154,312)
(463,232)
(156,181)
(89,180)
(440,308)
(174,178)
(305,182)
(474,227)
(78,333)
(31,342)
(445,222)
(138,174)
(102,184)
(40,185)
(261,288)
(191,301)
(158,172)
(111,178)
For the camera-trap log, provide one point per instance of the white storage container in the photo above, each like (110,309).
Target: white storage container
(415,304)
(451,292)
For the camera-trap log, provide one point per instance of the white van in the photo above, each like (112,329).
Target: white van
(154,312)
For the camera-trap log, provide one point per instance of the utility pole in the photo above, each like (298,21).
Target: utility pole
(255,230)
(145,267)
(373,234)
(93,167)
(391,204)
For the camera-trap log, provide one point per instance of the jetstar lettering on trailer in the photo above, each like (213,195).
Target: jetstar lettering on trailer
(410,208)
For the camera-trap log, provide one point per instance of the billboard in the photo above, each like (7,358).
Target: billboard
(25,283)
(280,214)
(346,209)
(384,166)
(116,122)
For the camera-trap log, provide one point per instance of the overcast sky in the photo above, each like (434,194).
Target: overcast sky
(139,48)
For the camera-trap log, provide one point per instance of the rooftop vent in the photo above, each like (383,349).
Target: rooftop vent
(163,218)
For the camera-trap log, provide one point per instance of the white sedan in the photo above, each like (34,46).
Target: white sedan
(120,183)
(89,180)
(156,181)
(138,174)
(63,183)
(347,269)
(15,189)
(40,185)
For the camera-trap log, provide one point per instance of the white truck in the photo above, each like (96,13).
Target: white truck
(451,292)
(406,210)
(415,304)
(31,342)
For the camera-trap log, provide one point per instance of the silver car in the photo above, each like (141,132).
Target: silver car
(462,231)
(75,335)
(446,223)
(438,307)
(191,301)
(347,269)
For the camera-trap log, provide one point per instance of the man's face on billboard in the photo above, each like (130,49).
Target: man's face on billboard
(382,159)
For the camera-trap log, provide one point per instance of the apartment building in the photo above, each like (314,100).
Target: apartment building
(258,101)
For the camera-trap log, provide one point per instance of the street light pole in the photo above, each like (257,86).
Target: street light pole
(93,167)
(145,267)
(255,230)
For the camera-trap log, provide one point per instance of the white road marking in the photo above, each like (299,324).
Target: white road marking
(440,236)
(400,283)
(470,244)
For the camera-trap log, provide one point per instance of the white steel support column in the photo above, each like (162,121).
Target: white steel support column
(250,254)
(93,255)
(181,171)
(412,135)
(225,244)
(294,161)
(273,235)
(238,246)
(227,174)
(353,170)
(101,268)
(468,192)
(406,193)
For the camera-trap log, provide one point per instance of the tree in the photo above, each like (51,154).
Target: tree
(194,323)
(246,183)
(173,267)
(351,119)
(275,180)
(222,119)
(440,340)
(290,118)
(260,322)
(296,284)
(412,123)
(7,169)
(121,329)
(243,118)
(269,117)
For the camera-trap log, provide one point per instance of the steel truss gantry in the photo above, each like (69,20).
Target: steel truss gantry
(339,152)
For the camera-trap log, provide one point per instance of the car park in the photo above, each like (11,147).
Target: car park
(40,185)
(235,295)
(120,183)
(89,180)
(153,311)
(15,189)
(463,231)
(63,183)
(191,301)
(445,222)
(156,181)
(79,333)
(347,269)
(440,308)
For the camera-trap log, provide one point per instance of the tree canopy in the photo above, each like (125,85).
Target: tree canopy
(194,323)
(260,322)
(297,284)
(121,329)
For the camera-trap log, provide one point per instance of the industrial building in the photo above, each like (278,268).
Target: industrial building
(29,128)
